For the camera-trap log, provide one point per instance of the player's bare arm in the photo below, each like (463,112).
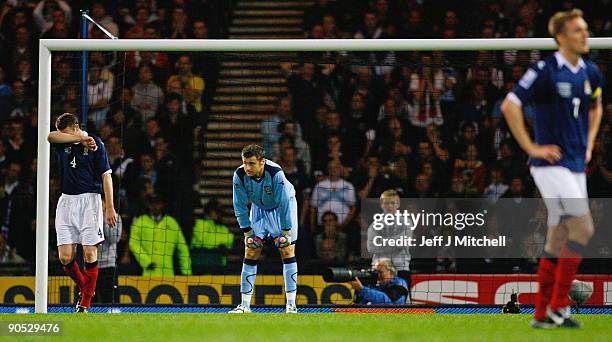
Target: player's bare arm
(514,117)
(69,131)
(68,136)
(595,114)
(110,214)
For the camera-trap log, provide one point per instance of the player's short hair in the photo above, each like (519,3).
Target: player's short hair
(254,150)
(388,264)
(389,193)
(66,120)
(556,23)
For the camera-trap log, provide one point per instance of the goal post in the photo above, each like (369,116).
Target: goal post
(42,179)
(48,46)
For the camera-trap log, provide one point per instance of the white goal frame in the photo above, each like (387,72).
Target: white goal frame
(47,46)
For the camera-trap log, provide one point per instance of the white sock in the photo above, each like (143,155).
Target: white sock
(291,297)
(246,299)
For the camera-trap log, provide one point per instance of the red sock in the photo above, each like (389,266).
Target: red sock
(567,266)
(546,281)
(72,269)
(91,277)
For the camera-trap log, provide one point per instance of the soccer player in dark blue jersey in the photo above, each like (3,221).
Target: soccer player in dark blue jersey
(85,173)
(273,215)
(566,93)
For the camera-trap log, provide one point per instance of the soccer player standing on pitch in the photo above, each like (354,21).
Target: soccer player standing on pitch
(273,215)
(85,173)
(566,91)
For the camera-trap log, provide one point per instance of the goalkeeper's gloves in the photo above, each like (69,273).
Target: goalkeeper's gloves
(284,240)
(250,239)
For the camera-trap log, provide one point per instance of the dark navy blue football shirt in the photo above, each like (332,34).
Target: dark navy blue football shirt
(81,169)
(562,95)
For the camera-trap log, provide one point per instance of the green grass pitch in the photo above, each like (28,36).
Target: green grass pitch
(311,327)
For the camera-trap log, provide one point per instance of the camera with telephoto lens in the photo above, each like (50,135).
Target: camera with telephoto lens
(512,306)
(343,275)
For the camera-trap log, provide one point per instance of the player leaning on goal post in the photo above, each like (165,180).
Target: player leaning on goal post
(273,215)
(566,92)
(85,173)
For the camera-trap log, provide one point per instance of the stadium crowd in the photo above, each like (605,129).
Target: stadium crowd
(353,125)
(426,124)
(148,107)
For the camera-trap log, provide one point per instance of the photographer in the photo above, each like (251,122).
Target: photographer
(390,289)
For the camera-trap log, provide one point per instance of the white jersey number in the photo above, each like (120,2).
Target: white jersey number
(576,103)
(73,163)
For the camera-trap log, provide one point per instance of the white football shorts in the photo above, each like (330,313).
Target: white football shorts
(564,192)
(79,219)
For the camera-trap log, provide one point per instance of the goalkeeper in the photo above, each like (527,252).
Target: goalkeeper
(273,216)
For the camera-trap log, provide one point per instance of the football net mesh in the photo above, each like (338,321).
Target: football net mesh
(344,127)
(101,98)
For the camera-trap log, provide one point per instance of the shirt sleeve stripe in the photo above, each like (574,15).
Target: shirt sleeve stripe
(512,97)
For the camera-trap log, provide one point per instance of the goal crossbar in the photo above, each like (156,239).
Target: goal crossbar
(246,45)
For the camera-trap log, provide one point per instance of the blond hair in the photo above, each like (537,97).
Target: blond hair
(556,23)
(389,193)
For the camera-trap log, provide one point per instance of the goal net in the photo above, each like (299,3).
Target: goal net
(348,121)
(91,87)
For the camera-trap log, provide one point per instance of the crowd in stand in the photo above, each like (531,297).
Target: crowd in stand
(148,107)
(353,125)
(426,124)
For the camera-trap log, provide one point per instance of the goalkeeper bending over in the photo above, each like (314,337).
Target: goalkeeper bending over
(273,215)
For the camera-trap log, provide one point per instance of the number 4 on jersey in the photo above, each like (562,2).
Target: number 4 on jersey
(73,163)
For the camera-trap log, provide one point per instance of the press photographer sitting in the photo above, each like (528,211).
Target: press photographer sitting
(389,289)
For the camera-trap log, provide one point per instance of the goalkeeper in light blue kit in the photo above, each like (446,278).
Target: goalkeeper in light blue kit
(273,216)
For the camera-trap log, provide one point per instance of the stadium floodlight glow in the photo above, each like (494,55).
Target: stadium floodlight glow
(44,90)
